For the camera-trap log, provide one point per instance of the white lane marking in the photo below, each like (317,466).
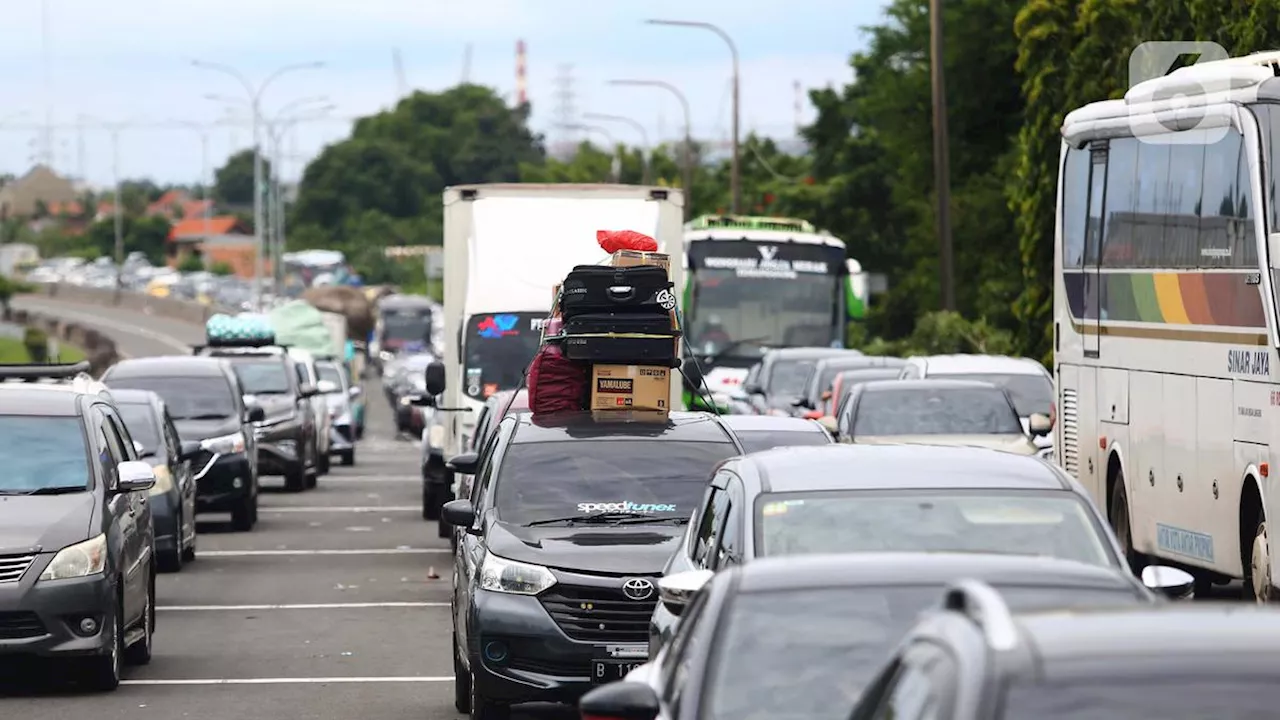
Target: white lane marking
(293,681)
(277,553)
(371,479)
(342,509)
(134,330)
(305,606)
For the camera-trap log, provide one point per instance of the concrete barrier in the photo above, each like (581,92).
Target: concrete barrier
(185,310)
(99,349)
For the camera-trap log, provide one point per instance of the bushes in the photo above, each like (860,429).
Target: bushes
(36,341)
(940,333)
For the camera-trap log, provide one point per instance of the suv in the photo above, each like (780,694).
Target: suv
(214,424)
(77,571)
(304,365)
(287,443)
(569,522)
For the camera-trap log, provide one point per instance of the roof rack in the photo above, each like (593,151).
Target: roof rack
(272,348)
(750,222)
(31,372)
(983,605)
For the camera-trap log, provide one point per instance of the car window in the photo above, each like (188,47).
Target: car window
(329,372)
(141,421)
(911,694)
(262,377)
(709,527)
(188,398)
(685,655)
(930,411)
(673,656)
(44,452)
(729,545)
(1178,697)
(757,440)
(119,436)
(1029,393)
(172,441)
(1056,524)
(788,378)
(300,370)
(544,481)
(851,380)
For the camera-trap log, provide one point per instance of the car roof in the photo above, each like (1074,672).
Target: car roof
(170,366)
(406,301)
(884,372)
(130,396)
(963,364)
(861,362)
(910,385)
(769,423)
(849,466)
(905,568)
(806,353)
(571,426)
(33,400)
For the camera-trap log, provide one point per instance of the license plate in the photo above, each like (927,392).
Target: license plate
(606,671)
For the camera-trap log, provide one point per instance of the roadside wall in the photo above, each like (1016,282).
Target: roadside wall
(186,310)
(99,349)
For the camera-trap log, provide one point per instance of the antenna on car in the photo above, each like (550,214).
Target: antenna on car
(983,605)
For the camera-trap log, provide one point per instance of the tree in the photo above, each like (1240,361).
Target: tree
(233,182)
(143,234)
(7,291)
(222,268)
(191,263)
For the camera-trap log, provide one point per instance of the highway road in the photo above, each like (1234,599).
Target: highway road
(328,610)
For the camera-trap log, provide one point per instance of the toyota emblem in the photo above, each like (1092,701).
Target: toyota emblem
(638,589)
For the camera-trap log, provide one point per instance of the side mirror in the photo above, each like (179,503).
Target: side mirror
(355,392)
(135,476)
(422,400)
(464,464)
(677,590)
(189,449)
(620,701)
(1040,425)
(458,513)
(325,387)
(435,378)
(692,375)
(1171,582)
(800,402)
(307,390)
(257,414)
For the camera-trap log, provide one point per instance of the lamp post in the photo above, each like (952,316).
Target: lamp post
(616,169)
(117,213)
(941,157)
(644,137)
(255,110)
(735,178)
(206,182)
(686,157)
(277,130)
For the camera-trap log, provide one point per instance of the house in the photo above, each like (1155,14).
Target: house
(179,205)
(219,239)
(40,185)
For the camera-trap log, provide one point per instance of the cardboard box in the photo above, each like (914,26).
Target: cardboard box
(632,258)
(630,387)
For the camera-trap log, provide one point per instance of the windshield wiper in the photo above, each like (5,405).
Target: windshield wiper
(649,519)
(47,490)
(592,518)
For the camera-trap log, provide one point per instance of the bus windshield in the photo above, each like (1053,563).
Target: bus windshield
(406,325)
(499,347)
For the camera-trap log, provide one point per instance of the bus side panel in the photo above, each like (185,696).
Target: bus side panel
(1145,471)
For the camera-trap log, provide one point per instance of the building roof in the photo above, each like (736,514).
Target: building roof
(198,227)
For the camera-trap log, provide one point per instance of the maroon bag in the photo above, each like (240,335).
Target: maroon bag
(556,383)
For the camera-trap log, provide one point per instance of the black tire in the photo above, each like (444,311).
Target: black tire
(170,561)
(245,514)
(360,432)
(348,457)
(1121,526)
(430,508)
(311,479)
(1247,591)
(139,653)
(102,672)
(461,682)
(444,529)
(295,478)
(324,465)
(189,552)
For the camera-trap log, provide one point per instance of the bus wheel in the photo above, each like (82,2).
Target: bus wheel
(1257,583)
(1120,525)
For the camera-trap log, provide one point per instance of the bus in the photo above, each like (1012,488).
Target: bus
(758,283)
(1164,316)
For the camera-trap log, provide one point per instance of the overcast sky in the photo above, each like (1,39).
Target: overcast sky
(130,61)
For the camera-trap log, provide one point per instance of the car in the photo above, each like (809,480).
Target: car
(842,387)
(272,380)
(495,408)
(339,395)
(1028,383)
(937,412)
(406,384)
(764,432)
(810,403)
(1177,661)
(879,498)
(77,570)
(216,427)
(781,375)
(173,498)
(569,521)
(304,364)
(801,637)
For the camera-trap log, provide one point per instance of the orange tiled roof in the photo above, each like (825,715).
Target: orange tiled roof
(197,226)
(65,208)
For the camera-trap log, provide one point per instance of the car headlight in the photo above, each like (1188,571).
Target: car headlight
(79,560)
(225,445)
(516,578)
(164,480)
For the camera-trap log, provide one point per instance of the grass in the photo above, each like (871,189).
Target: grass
(13,351)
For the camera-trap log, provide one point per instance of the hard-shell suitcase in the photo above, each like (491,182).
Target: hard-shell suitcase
(625,323)
(622,349)
(597,289)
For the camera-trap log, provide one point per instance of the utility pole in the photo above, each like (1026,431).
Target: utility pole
(941,157)
(686,159)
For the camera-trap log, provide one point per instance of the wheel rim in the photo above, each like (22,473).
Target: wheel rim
(1260,565)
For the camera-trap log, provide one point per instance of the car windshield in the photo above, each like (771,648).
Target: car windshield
(1029,393)
(788,378)
(741,315)
(42,452)
(1168,697)
(141,421)
(757,440)
(1055,525)
(498,350)
(821,381)
(806,654)
(262,377)
(407,325)
(188,398)
(329,373)
(935,411)
(852,379)
(543,481)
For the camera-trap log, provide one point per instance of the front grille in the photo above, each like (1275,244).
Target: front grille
(549,666)
(13,567)
(598,614)
(20,625)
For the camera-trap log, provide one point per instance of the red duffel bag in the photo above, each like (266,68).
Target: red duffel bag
(614,240)
(556,383)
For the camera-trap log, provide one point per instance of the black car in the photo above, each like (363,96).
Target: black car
(287,443)
(801,637)
(765,432)
(213,422)
(569,523)
(173,498)
(981,660)
(781,376)
(811,402)
(77,563)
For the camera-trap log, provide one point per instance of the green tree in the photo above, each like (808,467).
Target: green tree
(191,263)
(233,182)
(221,268)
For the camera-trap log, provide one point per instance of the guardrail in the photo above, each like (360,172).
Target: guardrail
(185,310)
(99,349)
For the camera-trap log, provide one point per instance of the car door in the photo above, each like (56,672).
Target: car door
(182,477)
(711,523)
(133,543)
(471,549)
(305,406)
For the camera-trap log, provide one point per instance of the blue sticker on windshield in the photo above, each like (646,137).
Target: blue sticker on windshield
(626,506)
(496,326)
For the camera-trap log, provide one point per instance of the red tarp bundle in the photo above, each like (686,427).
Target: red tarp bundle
(614,240)
(556,383)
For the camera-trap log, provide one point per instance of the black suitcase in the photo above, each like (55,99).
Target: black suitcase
(625,323)
(602,289)
(622,349)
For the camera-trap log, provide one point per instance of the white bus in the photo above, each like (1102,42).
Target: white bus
(1165,331)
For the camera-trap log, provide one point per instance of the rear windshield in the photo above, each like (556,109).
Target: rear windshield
(40,453)
(789,377)
(262,377)
(188,398)
(544,481)
(329,373)
(1029,393)
(757,440)
(1164,697)
(141,421)
(941,411)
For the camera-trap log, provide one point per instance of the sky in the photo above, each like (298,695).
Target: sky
(129,64)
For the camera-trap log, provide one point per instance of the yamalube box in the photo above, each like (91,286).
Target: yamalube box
(630,387)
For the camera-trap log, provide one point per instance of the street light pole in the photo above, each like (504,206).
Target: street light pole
(941,157)
(686,157)
(206,184)
(644,137)
(735,176)
(616,169)
(255,110)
